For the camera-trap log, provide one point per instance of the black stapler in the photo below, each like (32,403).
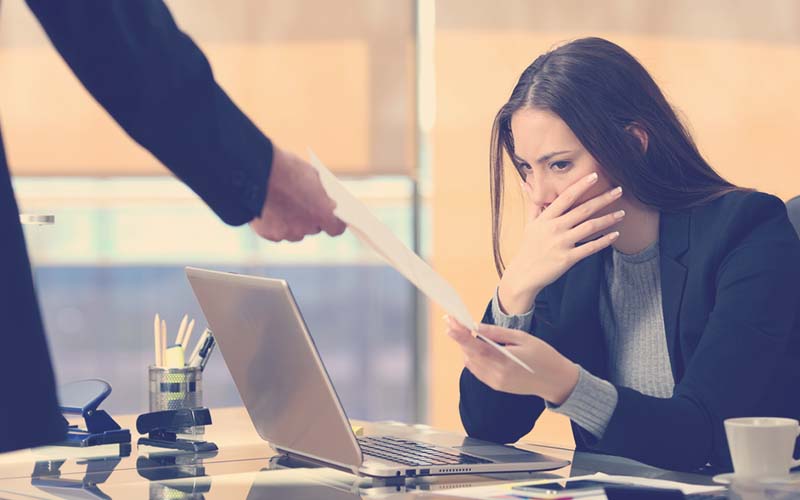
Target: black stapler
(162,429)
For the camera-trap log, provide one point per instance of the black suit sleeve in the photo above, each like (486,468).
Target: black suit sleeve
(499,416)
(738,364)
(158,85)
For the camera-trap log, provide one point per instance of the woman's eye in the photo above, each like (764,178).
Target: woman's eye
(524,170)
(561,165)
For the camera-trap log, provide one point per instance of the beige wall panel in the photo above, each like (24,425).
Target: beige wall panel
(738,96)
(52,126)
(336,77)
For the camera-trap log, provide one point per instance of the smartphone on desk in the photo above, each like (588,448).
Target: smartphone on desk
(561,489)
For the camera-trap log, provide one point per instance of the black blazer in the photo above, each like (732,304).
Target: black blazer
(159,87)
(730,284)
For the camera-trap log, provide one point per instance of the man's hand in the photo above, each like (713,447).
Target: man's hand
(296,203)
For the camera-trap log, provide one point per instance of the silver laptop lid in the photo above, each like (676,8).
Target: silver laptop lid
(275,365)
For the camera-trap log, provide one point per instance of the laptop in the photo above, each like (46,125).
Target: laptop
(293,404)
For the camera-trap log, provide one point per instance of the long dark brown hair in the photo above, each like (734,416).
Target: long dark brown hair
(600,91)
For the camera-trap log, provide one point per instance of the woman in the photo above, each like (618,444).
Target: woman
(651,297)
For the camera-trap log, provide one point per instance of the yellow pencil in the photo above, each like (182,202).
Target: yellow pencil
(157,339)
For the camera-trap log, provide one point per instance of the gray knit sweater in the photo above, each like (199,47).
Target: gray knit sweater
(632,320)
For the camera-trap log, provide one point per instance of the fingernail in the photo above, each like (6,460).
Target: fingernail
(616,192)
(613,236)
(619,214)
(592,178)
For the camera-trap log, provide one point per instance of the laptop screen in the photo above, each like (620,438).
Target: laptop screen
(275,365)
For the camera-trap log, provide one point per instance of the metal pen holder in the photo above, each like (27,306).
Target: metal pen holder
(177,389)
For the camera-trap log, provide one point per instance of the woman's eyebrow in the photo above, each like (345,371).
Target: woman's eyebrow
(545,158)
(518,160)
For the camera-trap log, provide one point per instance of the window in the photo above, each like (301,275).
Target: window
(115,257)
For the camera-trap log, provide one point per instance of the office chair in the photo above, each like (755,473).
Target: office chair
(793,207)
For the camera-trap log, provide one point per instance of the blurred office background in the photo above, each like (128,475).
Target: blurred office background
(397,96)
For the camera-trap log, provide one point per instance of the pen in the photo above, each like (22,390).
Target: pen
(208,352)
(194,359)
(205,351)
(198,360)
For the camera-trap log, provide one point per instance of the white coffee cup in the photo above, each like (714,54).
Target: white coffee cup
(762,447)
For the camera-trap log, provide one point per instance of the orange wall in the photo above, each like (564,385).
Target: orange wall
(741,98)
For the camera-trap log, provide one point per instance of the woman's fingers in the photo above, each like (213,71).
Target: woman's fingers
(569,196)
(585,210)
(459,336)
(477,349)
(472,346)
(531,209)
(592,247)
(594,226)
(502,335)
(455,325)
(464,339)
(460,333)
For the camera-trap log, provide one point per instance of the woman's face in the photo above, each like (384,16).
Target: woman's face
(552,158)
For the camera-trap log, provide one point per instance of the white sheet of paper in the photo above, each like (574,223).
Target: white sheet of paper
(503,490)
(380,238)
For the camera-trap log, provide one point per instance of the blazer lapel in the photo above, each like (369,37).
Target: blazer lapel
(673,243)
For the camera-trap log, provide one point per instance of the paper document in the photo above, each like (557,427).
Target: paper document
(380,238)
(506,491)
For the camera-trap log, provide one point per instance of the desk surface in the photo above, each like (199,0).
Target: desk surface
(245,467)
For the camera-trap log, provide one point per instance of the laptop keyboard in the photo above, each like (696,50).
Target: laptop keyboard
(413,453)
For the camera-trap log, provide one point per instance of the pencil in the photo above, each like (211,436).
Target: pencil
(187,335)
(157,339)
(181,329)
(163,341)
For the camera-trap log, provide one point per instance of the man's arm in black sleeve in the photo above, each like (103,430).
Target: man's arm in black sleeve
(158,85)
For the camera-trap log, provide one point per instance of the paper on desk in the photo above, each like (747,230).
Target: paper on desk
(505,491)
(380,238)
(686,488)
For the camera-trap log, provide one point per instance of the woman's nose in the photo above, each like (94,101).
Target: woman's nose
(542,194)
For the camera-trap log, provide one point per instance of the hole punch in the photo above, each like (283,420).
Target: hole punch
(83,397)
